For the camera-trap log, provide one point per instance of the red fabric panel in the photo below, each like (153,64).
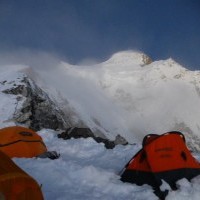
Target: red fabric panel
(169,152)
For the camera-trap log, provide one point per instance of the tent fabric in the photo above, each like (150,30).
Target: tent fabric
(17,141)
(163,157)
(15,184)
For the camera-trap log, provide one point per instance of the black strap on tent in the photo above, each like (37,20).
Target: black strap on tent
(142,157)
(183,155)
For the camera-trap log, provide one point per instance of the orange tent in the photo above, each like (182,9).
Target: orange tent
(163,157)
(15,184)
(18,141)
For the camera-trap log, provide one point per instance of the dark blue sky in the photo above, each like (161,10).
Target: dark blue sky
(95,29)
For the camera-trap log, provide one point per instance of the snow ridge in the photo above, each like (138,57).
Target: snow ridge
(129,57)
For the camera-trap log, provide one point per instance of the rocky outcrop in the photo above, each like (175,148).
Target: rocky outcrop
(37,110)
(146,59)
(75,132)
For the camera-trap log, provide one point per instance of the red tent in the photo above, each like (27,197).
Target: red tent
(163,157)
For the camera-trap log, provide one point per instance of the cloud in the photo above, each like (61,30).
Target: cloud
(34,59)
(88,62)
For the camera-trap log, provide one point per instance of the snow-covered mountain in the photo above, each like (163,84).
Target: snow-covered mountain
(24,103)
(127,95)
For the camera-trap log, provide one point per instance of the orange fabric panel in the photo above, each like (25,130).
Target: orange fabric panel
(18,141)
(24,149)
(165,153)
(11,134)
(7,165)
(15,184)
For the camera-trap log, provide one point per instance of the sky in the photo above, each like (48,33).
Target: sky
(93,30)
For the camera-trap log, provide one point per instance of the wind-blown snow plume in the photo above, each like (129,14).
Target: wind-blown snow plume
(128,94)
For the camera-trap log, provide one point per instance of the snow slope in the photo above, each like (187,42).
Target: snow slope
(88,171)
(125,95)
(10,76)
(129,96)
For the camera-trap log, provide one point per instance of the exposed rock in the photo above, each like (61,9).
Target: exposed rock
(76,132)
(108,144)
(146,59)
(38,110)
(17,90)
(120,140)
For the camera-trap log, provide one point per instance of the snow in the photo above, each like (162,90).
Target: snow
(85,170)
(119,96)
(127,58)
(9,103)
(88,171)
(186,190)
(124,96)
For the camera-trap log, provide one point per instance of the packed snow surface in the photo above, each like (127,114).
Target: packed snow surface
(87,170)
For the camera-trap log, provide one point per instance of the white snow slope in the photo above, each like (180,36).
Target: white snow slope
(120,96)
(88,171)
(128,97)
(123,95)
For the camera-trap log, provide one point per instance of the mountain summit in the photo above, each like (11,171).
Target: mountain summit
(129,58)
